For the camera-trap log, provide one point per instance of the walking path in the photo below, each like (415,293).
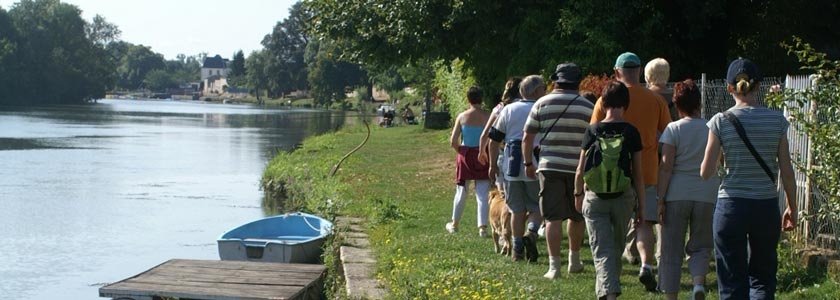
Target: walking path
(357,261)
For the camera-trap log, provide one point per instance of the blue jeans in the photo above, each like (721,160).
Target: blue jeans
(746,233)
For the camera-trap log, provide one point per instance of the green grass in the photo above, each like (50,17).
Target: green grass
(401,182)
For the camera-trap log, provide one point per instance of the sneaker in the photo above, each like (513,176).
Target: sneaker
(530,241)
(451,227)
(482,232)
(633,260)
(575,267)
(646,278)
(699,293)
(552,273)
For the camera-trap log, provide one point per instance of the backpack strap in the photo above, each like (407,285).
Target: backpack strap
(743,134)
(558,119)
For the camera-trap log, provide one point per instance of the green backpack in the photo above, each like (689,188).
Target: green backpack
(602,172)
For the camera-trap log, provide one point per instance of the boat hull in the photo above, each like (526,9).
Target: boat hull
(288,238)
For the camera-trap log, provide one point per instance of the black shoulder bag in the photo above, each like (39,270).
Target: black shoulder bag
(537,149)
(743,134)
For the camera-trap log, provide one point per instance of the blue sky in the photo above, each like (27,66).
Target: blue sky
(190,27)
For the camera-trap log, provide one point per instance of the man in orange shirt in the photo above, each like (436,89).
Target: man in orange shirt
(649,114)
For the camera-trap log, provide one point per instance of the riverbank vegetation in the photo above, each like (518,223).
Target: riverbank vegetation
(401,184)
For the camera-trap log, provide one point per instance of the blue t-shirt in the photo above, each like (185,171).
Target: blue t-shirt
(744,176)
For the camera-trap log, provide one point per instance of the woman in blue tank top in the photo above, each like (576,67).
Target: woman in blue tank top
(465,140)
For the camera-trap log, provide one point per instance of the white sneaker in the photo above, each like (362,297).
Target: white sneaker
(552,274)
(482,232)
(451,227)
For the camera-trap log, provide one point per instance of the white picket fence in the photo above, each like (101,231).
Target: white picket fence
(824,233)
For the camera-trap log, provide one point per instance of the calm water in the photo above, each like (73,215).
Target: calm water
(94,194)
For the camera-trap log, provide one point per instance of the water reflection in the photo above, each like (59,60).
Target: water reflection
(96,193)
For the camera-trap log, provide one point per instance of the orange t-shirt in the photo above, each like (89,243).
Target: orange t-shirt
(649,113)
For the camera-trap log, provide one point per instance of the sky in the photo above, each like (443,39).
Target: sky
(172,27)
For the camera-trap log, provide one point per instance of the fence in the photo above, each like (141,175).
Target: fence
(821,232)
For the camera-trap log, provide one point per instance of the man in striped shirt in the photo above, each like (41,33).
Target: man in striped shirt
(558,120)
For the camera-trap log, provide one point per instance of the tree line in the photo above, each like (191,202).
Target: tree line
(497,39)
(49,54)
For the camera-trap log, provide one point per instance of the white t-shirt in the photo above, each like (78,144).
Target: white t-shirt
(689,137)
(511,121)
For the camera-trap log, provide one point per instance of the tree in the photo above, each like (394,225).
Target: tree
(58,61)
(8,61)
(159,80)
(137,61)
(102,33)
(256,74)
(237,70)
(498,39)
(331,79)
(285,48)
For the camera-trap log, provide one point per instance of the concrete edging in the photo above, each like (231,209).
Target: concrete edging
(358,262)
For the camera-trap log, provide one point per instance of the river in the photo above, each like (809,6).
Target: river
(93,194)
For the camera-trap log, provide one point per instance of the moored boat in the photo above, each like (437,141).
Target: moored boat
(289,238)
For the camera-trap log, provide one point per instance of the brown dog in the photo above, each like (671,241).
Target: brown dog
(500,222)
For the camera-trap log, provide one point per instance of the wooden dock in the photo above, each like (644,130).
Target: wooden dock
(221,280)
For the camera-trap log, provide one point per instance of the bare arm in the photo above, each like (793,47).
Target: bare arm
(639,183)
(578,191)
(494,156)
(712,157)
(484,141)
(527,153)
(788,184)
(666,168)
(455,138)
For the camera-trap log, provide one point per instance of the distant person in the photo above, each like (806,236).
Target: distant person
(686,201)
(649,115)
(657,73)
(509,95)
(464,140)
(408,116)
(521,191)
(607,212)
(747,222)
(557,120)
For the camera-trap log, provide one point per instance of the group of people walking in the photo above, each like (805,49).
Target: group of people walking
(638,158)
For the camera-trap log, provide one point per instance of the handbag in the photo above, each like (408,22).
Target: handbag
(537,148)
(743,134)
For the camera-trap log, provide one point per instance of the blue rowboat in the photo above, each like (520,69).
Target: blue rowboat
(288,238)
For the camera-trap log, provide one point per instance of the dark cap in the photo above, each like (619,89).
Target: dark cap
(566,73)
(628,60)
(742,68)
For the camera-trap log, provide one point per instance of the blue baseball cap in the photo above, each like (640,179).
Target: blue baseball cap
(742,68)
(628,60)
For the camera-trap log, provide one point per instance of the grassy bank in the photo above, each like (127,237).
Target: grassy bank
(401,182)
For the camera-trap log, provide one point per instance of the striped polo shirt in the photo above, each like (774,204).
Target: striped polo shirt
(560,150)
(744,176)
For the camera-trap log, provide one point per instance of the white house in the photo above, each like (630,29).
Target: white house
(214,73)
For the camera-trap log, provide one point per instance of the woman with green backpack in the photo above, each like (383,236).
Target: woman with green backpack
(608,183)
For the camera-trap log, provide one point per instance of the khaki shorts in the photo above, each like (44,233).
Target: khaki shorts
(557,199)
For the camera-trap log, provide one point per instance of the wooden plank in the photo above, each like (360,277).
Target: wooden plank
(246,265)
(202,291)
(220,280)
